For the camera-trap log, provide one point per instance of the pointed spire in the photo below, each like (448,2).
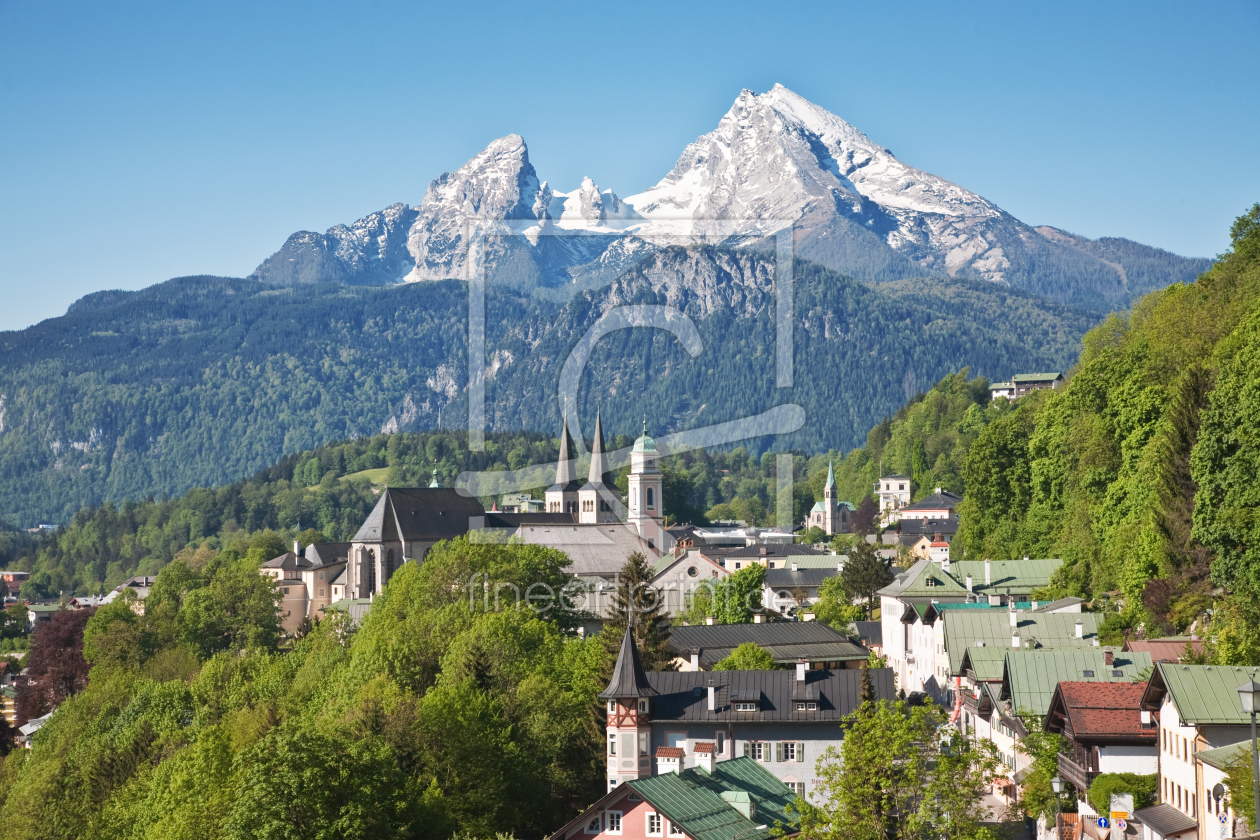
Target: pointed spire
(434,482)
(568,458)
(831,476)
(628,677)
(599,463)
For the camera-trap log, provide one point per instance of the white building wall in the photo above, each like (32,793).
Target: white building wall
(1177,783)
(1128,759)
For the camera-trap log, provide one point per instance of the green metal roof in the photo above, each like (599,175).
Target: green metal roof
(988,663)
(1205,694)
(914,583)
(1035,377)
(1222,758)
(693,800)
(1018,577)
(43,607)
(963,628)
(1031,676)
(818,561)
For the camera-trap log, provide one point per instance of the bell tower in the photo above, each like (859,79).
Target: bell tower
(829,503)
(562,497)
(646,505)
(629,699)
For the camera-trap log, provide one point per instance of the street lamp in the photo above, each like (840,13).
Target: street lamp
(1249,696)
(1057,785)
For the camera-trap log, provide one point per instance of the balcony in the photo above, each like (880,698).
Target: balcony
(1080,776)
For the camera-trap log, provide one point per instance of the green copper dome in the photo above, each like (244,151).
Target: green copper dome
(645,443)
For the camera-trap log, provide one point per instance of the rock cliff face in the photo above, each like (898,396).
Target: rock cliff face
(775,160)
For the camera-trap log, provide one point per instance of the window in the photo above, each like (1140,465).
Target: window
(745,707)
(321,575)
(594,826)
(803,706)
(1087,674)
(786,751)
(612,783)
(612,819)
(651,499)
(643,705)
(612,705)
(721,742)
(286,590)
(653,825)
(799,787)
(612,744)
(321,592)
(901,487)
(643,743)
(675,830)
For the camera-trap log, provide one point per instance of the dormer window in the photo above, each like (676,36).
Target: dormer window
(643,705)
(745,707)
(806,706)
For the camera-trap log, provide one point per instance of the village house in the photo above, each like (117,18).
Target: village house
(793,590)
(1026,383)
(1104,730)
(1214,766)
(783,720)
(1168,649)
(700,647)
(893,493)
(1199,710)
(305,580)
(736,799)
(941,505)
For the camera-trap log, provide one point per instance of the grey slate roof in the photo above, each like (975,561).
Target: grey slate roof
(419,513)
(872,631)
(788,579)
(1165,820)
(683,695)
(628,677)
(786,641)
(768,550)
(596,550)
(937,501)
(496,519)
(327,554)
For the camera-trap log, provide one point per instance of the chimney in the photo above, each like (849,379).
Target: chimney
(1109,657)
(1095,641)
(1080,629)
(1014,617)
(297,548)
(703,753)
(1034,603)
(1015,639)
(839,565)
(668,760)
(802,665)
(1146,719)
(695,659)
(795,568)
(710,620)
(988,578)
(712,696)
(969,583)
(758,618)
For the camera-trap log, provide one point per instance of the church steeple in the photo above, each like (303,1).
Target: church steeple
(599,462)
(562,497)
(628,677)
(600,486)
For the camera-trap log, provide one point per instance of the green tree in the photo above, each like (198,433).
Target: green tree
(864,574)
(835,606)
(1037,796)
(635,600)
(747,657)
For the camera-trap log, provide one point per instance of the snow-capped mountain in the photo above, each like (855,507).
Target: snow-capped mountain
(774,159)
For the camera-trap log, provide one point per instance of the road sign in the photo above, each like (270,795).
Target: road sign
(1102,822)
(1122,825)
(1223,818)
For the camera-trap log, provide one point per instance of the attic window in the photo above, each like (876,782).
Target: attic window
(745,707)
(1117,673)
(1087,673)
(806,707)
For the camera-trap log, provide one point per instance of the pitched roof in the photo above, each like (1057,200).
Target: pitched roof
(819,561)
(1222,758)
(785,641)
(327,554)
(940,500)
(1202,694)
(701,802)
(872,631)
(788,579)
(415,513)
(914,582)
(1172,649)
(669,752)
(598,474)
(1046,630)
(986,663)
(683,695)
(1099,710)
(1030,676)
(1036,377)
(1007,577)
(596,550)
(628,677)
(566,466)
(765,550)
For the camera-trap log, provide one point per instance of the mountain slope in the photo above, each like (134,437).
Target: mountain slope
(202,381)
(774,160)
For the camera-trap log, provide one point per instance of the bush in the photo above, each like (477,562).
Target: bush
(1105,784)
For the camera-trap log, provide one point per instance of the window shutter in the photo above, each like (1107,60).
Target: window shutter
(800,750)
(778,751)
(747,749)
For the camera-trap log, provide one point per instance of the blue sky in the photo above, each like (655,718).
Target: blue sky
(142,142)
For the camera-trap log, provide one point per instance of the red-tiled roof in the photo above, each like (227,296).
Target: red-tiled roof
(669,752)
(1102,709)
(703,747)
(1164,650)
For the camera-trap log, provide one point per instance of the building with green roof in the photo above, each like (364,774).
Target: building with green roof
(1029,677)
(731,800)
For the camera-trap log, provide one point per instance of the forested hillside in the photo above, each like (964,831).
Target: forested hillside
(1141,472)
(203,381)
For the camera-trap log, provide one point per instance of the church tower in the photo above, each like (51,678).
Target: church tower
(646,506)
(562,497)
(629,698)
(599,485)
(829,503)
